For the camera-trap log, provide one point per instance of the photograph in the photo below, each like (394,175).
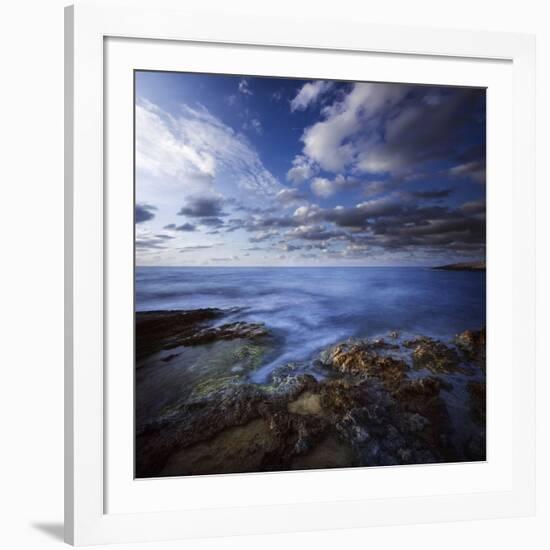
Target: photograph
(309,274)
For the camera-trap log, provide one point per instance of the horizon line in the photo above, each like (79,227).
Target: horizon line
(296,266)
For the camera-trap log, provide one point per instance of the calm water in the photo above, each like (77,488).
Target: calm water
(310,308)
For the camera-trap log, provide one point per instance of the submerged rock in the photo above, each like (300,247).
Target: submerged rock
(162,330)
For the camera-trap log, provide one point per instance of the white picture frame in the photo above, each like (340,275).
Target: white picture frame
(94,469)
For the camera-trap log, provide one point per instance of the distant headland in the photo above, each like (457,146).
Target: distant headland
(463,266)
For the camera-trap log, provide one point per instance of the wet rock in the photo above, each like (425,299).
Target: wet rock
(477,392)
(330,452)
(237,449)
(422,397)
(472,343)
(367,411)
(380,344)
(359,359)
(307,403)
(475,446)
(434,356)
(158,330)
(414,422)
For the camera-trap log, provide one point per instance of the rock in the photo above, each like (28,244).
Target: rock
(158,330)
(434,356)
(414,422)
(472,343)
(380,344)
(422,397)
(415,394)
(307,403)
(367,411)
(359,359)
(475,447)
(237,449)
(331,452)
(477,392)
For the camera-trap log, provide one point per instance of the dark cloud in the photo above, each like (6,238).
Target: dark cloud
(432,194)
(474,170)
(290,247)
(417,131)
(144,212)
(474,207)
(211,222)
(148,243)
(202,207)
(186,227)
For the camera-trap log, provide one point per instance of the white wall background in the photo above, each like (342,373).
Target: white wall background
(31,183)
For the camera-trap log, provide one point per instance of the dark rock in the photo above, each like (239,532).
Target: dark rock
(422,397)
(158,330)
(472,343)
(478,404)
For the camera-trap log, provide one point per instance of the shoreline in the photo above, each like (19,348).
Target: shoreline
(359,402)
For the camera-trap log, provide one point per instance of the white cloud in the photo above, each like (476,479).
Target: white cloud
(243,87)
(161,153)
(322,187)
(308,94)
(302,170)
(333,142)
(254,125)
(195,149)
(288,196)
(307,212)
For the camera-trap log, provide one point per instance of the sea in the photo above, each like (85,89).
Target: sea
(310,308)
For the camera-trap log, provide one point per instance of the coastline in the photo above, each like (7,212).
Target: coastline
(463,266)
(399,399)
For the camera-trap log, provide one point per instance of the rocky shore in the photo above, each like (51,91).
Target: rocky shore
(396,399)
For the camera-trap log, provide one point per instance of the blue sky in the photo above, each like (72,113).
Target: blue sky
(252,171)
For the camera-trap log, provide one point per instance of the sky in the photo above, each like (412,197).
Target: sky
(262,171)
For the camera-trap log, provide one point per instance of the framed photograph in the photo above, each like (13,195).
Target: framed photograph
(299,276)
